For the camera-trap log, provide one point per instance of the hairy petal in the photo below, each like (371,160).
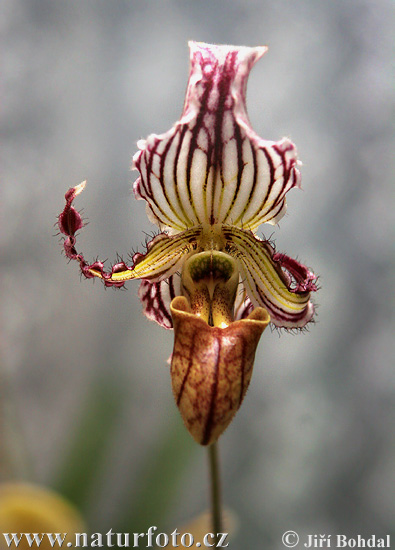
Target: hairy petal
(69,222)
(274,281)
(211,167)
(164,255)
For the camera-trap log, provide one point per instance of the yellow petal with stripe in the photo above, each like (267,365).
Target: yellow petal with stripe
(165,255)
(273,281)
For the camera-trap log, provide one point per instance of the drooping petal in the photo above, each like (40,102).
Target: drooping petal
(211,167)
(274,281)
(211,368)
(164,257)
(165,254)
(156,299)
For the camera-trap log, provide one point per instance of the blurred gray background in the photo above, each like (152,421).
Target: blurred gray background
(86,395)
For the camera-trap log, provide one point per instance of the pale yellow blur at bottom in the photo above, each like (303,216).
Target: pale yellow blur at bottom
(200,525)
(27,508)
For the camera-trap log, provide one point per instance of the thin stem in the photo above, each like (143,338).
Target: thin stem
(216,507)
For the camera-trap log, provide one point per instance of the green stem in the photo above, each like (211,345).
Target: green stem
(216,508)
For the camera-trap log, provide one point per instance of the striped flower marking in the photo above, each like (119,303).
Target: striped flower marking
(211,167)
(209,183)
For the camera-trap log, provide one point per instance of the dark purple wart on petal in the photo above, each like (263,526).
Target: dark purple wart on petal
(304,278)
(69,248)
(119,267)
(97,267)
(116,268)
(70,220)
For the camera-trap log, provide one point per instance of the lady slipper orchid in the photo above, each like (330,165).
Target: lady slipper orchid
(209,183)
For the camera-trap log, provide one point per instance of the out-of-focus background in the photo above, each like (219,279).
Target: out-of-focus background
(86,399)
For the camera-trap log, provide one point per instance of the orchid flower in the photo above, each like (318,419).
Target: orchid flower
(209,183)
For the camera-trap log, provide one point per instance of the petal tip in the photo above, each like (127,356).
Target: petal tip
(79,188)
